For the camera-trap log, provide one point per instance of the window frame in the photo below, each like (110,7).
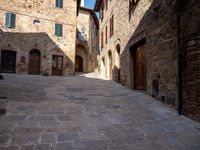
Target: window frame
(59,4)
(58,30)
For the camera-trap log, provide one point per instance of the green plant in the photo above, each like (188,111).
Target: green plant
(45,74)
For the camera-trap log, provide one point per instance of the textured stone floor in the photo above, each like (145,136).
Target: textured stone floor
(84,113)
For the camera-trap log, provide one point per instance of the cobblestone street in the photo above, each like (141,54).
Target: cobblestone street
(85,113)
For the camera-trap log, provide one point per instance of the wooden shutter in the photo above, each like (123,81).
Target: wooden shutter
(59,3)
(10,21)
(102,11)
(101,39)
(58,30)
(106,34)
(111,25)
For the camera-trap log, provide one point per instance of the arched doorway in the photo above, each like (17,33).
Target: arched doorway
(110,65)
(79,64)
(82,59)
(34,61)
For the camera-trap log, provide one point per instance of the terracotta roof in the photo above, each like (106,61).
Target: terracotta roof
(92,12)
(97,5)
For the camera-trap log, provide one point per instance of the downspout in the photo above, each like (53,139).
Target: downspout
(180,62)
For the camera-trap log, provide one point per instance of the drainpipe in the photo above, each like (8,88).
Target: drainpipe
(180,63)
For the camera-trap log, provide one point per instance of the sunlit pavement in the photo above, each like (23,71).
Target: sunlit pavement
(87,113)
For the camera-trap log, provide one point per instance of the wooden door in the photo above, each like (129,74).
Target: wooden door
(8,61)
(34,62)
(57,65)
(140,68)
(79,64)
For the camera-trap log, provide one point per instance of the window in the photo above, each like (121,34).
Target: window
(10,20)
(59,3)
(58,30)
(101,39)
(112,25)
(102,12)
(106,34)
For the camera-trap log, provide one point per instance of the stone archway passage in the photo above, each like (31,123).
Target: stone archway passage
(34,61)
(79,64)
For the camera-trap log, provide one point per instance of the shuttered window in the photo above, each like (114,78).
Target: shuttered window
(112,25)
(10,20)
(101,39)
(102,12)
(59,3)
(58,30)
(106,34)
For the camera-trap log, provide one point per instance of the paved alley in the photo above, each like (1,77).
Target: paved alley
(85,113)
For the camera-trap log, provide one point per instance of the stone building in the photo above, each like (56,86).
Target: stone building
(38,36)
(153,46)
(87,48)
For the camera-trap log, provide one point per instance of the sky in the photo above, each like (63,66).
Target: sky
(90,3)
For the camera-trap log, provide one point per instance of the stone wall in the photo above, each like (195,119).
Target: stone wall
(190,45)
(26,36)
(155,22)
(89,30)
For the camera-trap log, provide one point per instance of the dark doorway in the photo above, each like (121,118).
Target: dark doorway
(8,61)
(110,65)
(79,64)
(57,65)
(34,62)
(140,68)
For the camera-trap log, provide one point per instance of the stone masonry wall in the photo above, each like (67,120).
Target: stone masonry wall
(190,45)
(155,22)
(26,36)
(88,27)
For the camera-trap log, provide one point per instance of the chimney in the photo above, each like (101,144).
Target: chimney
(82,3)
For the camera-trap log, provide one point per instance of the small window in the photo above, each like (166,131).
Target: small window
(59,3)
(58,30)
(10,20)
(102,40)
(112,25)
(106,34)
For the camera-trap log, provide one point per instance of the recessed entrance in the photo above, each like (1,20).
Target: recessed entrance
(8,61)
(110,65)
(140,68)
(79,64)
(57,65)
(34,62)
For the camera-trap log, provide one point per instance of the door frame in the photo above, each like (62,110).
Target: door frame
(82,69)
(39,62)
(56,65)
(132,50)
(14,71)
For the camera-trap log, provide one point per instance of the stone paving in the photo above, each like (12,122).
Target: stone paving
(84,113)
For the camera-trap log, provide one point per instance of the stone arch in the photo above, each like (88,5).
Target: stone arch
(82,52)
(34,61)
(78,63)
